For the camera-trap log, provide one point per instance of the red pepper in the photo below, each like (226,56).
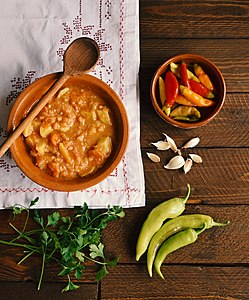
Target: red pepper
(172,88)
(184,75)
(171,91)
(200,89)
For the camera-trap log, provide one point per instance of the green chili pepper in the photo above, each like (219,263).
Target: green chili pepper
(173,243)
(168,209)
(175,68)
(173,226)
(186,113)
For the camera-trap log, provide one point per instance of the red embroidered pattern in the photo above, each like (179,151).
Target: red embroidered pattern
(18,84)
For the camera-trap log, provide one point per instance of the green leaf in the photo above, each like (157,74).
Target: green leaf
(80,236)
(55,240)
(53,219)
(69,251)
(66,271)
(118,211)
(38,218)
(101,273)
(79,271)
(113,263)
(70,287)
(103,223)
(33,202)
(83,216)
(92,237)
(17,210)
(66,220)
(80,256)
(44,238)
(66,239)
(97,251)
(62,230)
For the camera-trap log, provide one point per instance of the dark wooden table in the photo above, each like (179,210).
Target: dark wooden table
(217,266)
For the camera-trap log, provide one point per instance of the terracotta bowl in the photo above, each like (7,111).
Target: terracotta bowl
(207,113)
(19,151)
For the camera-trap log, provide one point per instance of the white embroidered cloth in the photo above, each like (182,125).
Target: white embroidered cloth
(34,35)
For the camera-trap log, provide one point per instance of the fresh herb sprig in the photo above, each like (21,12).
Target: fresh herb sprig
(70,241)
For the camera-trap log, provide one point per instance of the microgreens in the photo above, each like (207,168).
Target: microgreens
(67,240)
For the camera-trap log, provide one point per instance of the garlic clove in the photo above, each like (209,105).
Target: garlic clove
(188,165)
(161,145)
(196,158)
(192,143)
(171,142)
(155,158)
(179,152)
(175,163)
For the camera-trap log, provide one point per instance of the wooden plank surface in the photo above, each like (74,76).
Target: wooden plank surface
(182,282)
(216,266)
(233,64)
(49,291)
(194,19)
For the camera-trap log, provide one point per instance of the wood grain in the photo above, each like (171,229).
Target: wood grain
(231,124)
(182,282)
(215,246)
(216,266)
(49,291)
(222,178)
(195,20)
(31,268)
(232,64)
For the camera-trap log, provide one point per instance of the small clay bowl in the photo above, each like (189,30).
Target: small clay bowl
(19,150)
(207,113)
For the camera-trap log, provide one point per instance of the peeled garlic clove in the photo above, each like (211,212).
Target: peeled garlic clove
(155,158)
(179,152)
(171,142)
(161,145)
(175,163)
(196,158)
(188,165)
(192,143)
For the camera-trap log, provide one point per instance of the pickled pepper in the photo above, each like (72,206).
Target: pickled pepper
(185,113)
(203,77)
(200,89)
(195,98)
(172,89)
(184,75)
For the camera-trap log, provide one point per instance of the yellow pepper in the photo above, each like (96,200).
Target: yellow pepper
(162,92)
(195,98)
(203,77)
(183,101)
(185,113)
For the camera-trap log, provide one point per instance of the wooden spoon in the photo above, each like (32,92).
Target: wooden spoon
(79,58)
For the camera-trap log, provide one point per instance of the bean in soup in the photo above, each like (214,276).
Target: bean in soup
(72,136)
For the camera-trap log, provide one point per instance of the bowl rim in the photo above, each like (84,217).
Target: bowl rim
(58,184)
(175,59)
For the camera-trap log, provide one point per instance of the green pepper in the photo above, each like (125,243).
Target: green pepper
(186,113)
(173,226)
(176,70)
(173,243)
(168,209)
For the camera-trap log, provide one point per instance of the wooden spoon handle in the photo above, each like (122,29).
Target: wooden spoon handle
(32,114)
